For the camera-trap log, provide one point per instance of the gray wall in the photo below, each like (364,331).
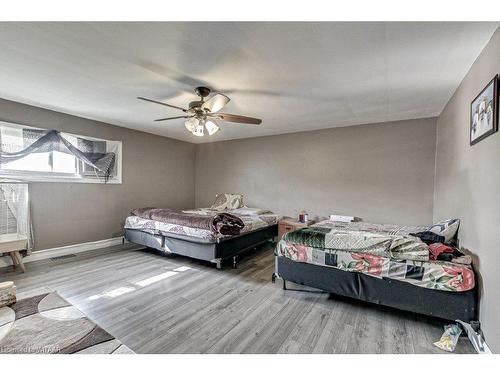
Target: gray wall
(379,172)
(157,171)
(467,184)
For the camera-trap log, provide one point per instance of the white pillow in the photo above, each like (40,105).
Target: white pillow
(446,228)
(227,201)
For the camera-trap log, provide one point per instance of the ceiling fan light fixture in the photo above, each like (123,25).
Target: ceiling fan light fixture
(191,124)
(199,131)
(211,127)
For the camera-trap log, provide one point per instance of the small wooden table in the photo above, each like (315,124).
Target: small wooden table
(13,243)
(289,224)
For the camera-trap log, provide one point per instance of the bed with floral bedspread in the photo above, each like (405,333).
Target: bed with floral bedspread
(377,250)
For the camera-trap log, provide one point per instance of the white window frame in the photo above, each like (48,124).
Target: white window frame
(33,176)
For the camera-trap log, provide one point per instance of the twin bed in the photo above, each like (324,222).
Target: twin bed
(381,264)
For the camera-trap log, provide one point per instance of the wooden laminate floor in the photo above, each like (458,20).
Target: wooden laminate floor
(162,304)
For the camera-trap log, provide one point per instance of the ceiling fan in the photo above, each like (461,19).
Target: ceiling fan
(204,113)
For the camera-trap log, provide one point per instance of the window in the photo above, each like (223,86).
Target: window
(53,160)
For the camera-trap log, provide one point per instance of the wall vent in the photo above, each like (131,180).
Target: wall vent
(55,259)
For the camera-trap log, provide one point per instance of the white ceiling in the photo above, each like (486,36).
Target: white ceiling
(295,76)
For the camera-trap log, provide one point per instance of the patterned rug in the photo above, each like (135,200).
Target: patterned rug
(49,324)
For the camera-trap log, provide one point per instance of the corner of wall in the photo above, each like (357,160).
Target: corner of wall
(434,219)
(195,174)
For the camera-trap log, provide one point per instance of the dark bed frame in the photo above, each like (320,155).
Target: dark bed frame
(388,292)
(216,252)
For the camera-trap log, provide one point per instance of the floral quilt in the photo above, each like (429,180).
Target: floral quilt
(252,222)
(438,275)
(377,239)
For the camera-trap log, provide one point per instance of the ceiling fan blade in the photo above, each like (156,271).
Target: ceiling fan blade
(236,118)
(172,118)
(165,104)
(185,80)
(215,103)
(254,92)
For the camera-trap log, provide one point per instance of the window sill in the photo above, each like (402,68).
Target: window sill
(4,177)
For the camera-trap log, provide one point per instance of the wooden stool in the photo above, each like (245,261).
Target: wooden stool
(12,244)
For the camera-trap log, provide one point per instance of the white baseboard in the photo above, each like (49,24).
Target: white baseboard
(64,250)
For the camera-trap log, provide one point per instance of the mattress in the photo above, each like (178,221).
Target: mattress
(252,223)
(371,260)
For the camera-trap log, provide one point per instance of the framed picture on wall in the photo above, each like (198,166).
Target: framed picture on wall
(484,112)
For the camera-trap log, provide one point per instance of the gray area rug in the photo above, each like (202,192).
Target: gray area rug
(49,324)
